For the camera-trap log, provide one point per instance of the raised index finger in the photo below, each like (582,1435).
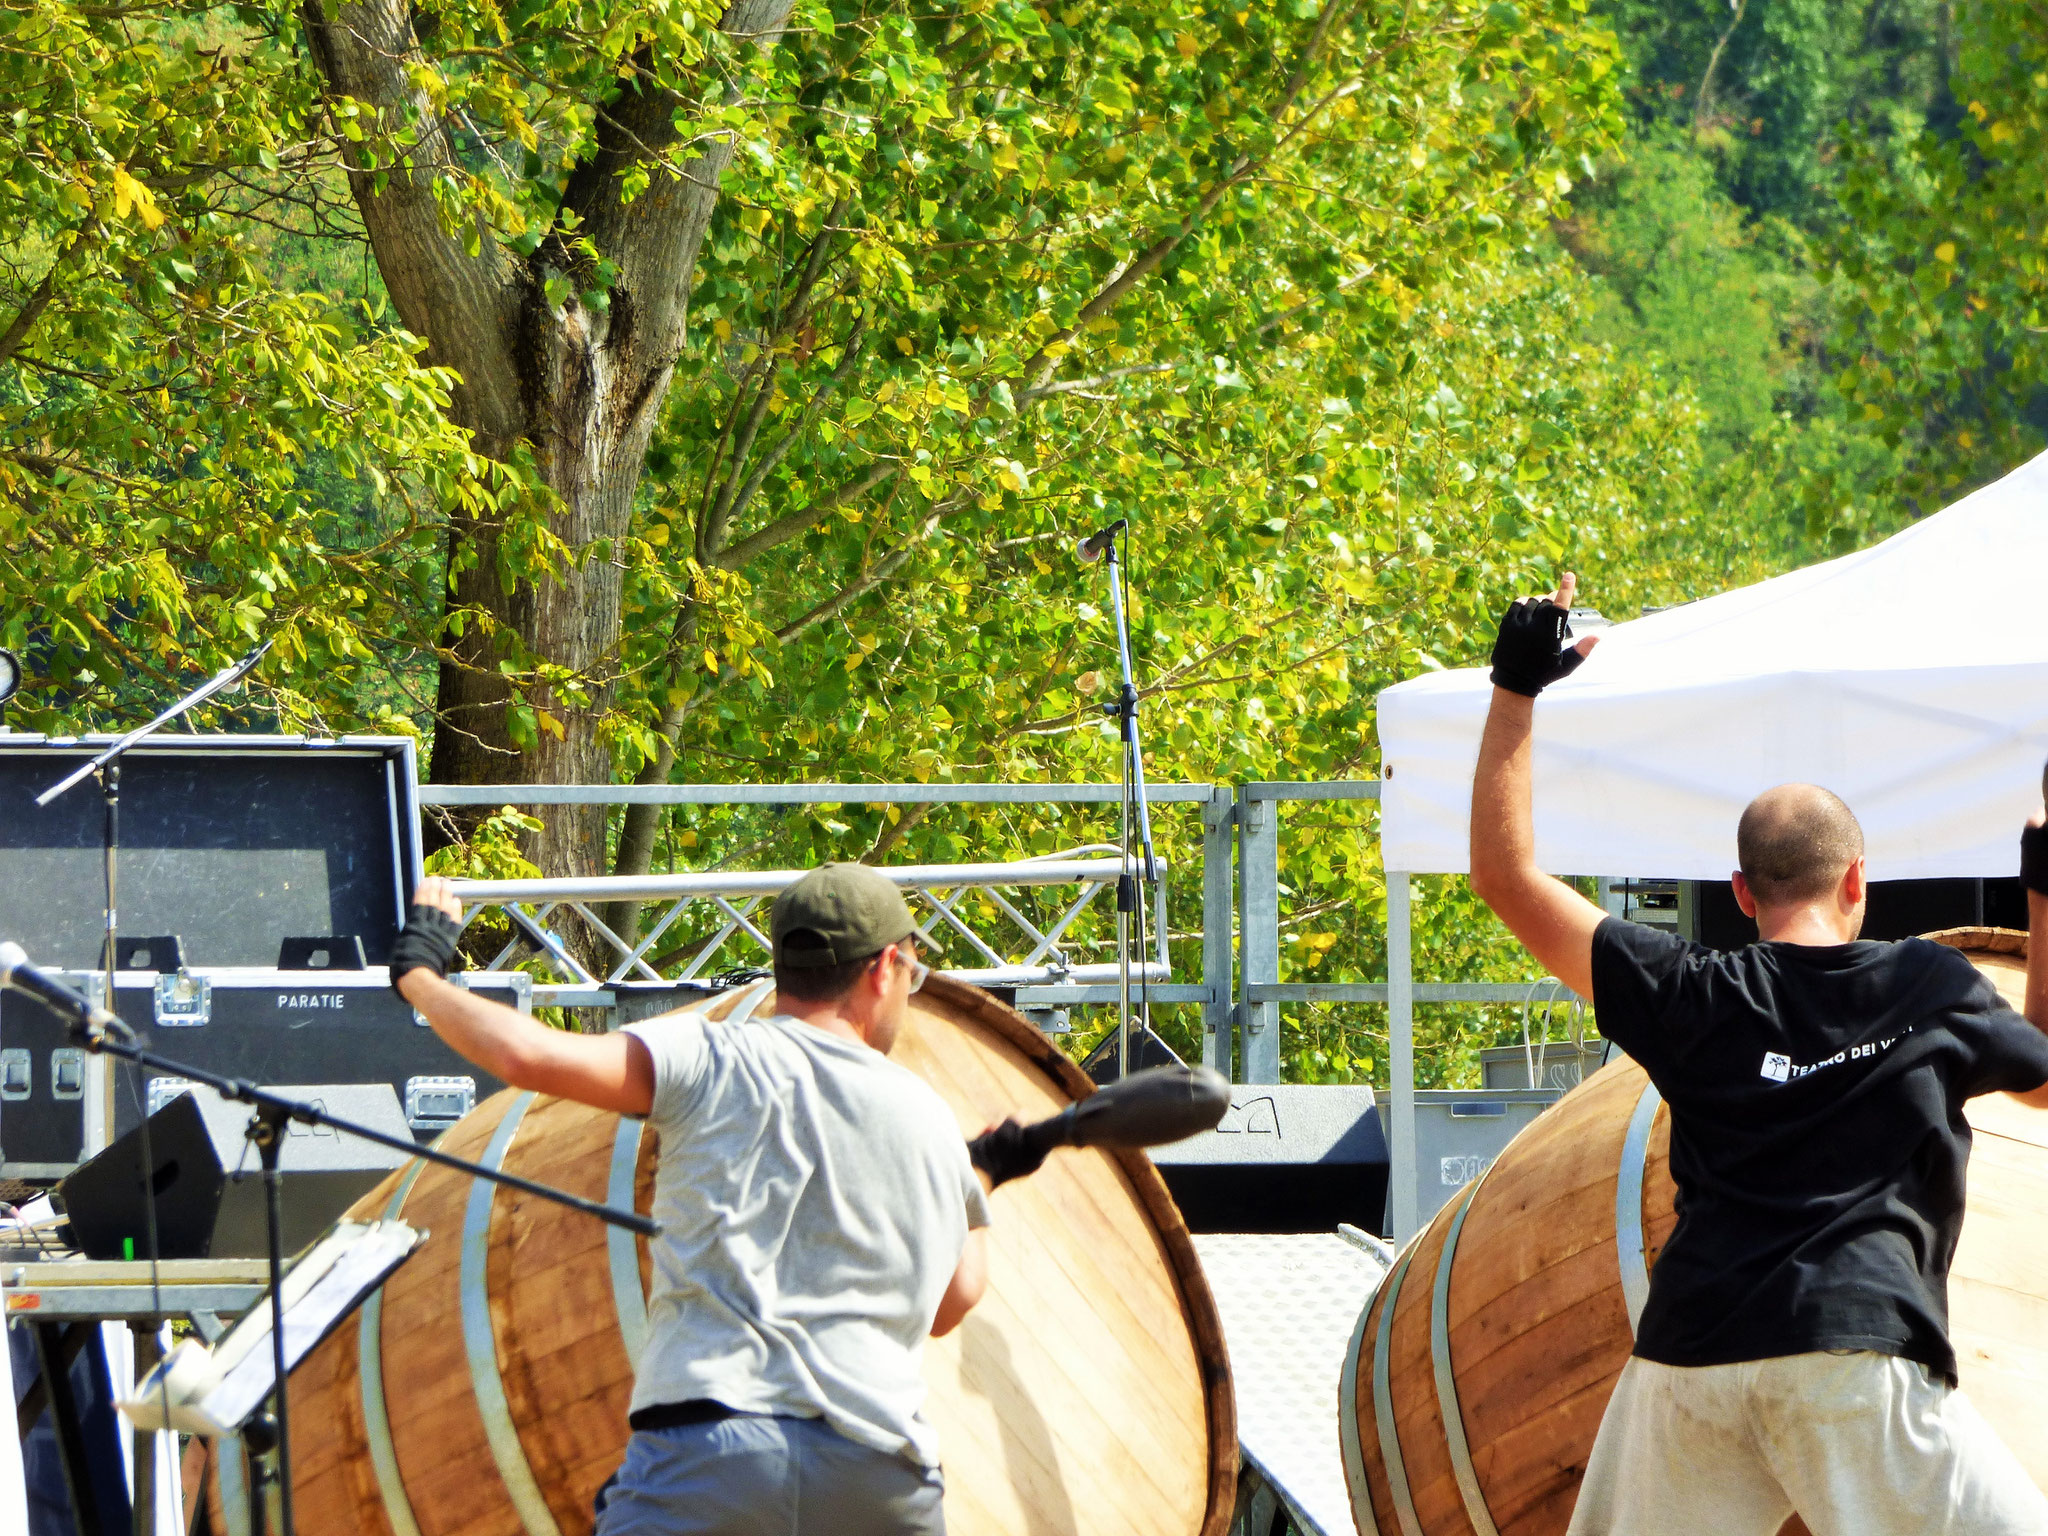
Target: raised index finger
(1567,588)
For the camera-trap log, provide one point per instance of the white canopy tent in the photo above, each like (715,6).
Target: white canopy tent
(1910,678)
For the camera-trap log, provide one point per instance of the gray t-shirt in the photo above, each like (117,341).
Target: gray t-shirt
(814,1198)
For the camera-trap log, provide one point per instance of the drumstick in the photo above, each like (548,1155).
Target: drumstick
(1146,1109)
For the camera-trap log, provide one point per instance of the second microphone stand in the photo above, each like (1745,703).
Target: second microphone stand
(1138,873)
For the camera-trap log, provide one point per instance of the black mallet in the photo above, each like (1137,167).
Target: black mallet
(1146,1109)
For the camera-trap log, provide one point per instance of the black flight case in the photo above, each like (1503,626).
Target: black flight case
(260,882)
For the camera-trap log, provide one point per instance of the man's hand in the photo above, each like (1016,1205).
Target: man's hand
(438,893)
(2034,880)
(2034,856)
(427,942)
(1003,1152)
(1530,653)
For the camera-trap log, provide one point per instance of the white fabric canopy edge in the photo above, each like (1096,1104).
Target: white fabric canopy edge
(1917,689)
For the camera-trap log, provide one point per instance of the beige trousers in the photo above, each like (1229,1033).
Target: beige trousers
(1858,1444)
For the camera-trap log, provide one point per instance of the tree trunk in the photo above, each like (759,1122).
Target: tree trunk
(581,384)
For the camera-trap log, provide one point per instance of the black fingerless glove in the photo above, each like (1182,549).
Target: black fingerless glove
(426,942)
(2034,858)
(1006,1152)
(1533,649)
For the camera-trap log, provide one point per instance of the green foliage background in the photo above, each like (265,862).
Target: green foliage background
(1672,294)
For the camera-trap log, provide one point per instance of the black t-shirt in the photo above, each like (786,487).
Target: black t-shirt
(1817,1135)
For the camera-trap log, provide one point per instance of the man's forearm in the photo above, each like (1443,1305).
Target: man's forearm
(1503,824)
(1553,921)
(479,1029)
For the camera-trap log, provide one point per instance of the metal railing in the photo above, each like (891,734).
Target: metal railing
(1261,992)
(1240,991)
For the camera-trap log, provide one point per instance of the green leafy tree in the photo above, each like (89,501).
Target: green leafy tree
(1945,266)
(159,398)
(918,244)
(908,235)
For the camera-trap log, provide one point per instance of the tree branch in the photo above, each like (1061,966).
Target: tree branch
(1706,90)
(38,300)
(804,422)
(653,239)
(873,576)
(465,306)
(787,527)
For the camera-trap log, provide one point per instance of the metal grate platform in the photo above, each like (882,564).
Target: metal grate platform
(1289,1304)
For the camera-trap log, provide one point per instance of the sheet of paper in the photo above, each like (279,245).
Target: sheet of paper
(354,1275)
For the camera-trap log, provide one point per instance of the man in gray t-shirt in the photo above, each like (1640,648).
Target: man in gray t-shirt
(819,1218)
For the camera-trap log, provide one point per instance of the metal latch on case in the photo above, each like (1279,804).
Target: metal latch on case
(435,1103)
(67,1074)
(183,1000)
(17,1074)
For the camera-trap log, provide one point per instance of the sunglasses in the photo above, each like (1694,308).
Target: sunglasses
(917,968)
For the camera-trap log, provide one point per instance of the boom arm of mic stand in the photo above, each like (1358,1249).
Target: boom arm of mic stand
(277,1107)
(198,696)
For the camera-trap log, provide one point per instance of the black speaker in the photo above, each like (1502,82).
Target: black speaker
(1295,1158)
(207,1184)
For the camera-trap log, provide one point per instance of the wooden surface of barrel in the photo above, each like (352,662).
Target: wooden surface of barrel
(1476,1380)
(483,1392)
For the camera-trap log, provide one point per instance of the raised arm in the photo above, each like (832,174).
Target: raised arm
(1553,921)
(611,1071)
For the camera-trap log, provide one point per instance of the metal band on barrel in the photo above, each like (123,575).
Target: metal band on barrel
(1448,1409)
(370,1368)
(1355,1478)
(480,1343)
(1383,1400)
(745,1008)
(622,1249)
(1628,1206)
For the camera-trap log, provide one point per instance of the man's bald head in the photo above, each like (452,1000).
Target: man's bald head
(1795,843)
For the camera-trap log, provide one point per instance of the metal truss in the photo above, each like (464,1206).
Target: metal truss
(1018,951)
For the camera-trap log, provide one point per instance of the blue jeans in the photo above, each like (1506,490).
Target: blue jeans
(748,1476)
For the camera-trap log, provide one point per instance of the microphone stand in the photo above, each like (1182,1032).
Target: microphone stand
(1135,876)
(107,768)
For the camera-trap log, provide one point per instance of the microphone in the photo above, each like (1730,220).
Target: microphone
(1146,1109)
(1101,542)
(16,974)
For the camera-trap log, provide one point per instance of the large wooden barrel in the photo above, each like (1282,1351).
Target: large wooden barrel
(484,1392)
(1476,1380)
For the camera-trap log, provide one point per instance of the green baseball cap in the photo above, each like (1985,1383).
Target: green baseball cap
(853,911)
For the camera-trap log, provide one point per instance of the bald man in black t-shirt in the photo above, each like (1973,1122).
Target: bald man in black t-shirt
(1793,1355)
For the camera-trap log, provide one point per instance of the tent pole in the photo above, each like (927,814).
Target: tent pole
(1401,1059)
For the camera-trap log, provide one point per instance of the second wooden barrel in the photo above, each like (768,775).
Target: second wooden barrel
(484,1391)
(1475,1383)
